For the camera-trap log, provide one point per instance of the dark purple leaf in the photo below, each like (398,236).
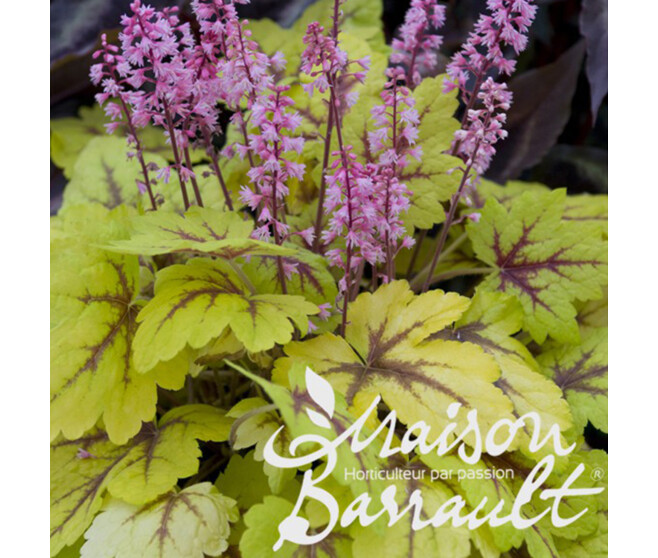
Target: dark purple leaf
(594,27)
(542,103)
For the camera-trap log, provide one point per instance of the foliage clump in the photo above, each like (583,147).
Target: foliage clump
(312,231)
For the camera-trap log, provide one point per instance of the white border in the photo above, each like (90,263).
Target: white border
(633,179)
(633,309)
(24,233)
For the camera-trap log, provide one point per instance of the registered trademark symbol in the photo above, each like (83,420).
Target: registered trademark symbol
(598,473)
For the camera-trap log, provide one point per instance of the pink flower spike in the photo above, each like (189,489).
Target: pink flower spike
(416,49)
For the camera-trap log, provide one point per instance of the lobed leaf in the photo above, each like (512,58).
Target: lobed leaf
(490,322)
(82,470)
(192,523)
(104,174)
(196,302)
(388,350)
(95,303)
(581,372)
(201,230)
(253,427)
(544,261)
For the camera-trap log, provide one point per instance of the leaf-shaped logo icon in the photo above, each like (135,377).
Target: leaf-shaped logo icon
(323,394)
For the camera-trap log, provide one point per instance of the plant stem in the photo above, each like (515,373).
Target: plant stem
(327,141)
(195,185)
(243,276)
(325,162)
(215,166)
(177,160)
(139,152)
(348,274)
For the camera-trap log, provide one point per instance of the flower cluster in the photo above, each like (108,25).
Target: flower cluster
(484,127)
(273,143)
(394,142)
(113,80)
(245,71)
(417,47)
(506,25)
(326,63)
(352,211)
(321,59)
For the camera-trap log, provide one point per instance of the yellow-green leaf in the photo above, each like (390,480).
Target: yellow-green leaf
(95,302)
(139,471)
(201,230)
(104,174)
(196,302)
(387,351)
(581,371)
(490,322)
(544,261)
(192,523)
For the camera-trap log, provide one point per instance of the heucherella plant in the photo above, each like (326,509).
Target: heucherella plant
(234,297)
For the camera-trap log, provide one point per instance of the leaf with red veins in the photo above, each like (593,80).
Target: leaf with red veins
(95,302)
(581,372)
(543,260)
(85,469)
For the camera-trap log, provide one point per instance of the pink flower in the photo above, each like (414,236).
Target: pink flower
(506,25)
(325,62)
(274,144)
(353,214)
(416,49)
(391,142)
(484,127)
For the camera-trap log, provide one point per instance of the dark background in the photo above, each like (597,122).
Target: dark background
(558,124)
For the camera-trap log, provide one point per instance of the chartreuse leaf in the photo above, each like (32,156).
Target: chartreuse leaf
(95,302)
(303,415)
(168,452)
(505,194)
(255,423)
(387,350)
(192,523)
(582,207)
(581,371)
(594,545)
(399,540)
(594,314)
(262,532)
(310,277)
(245,481)
(201,230)
(72,551)
(69,136)
(194,303)
(588,208)
(545,262)
(104,174)
(490,322)
(137,472)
